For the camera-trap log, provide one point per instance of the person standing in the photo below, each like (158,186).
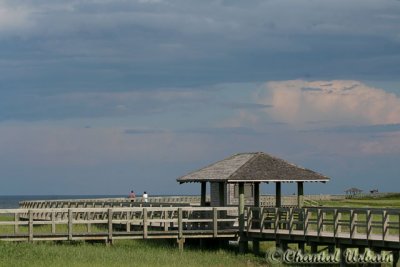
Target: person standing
(145,196)
(132,196)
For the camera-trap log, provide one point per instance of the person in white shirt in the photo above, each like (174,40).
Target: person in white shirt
(145,196)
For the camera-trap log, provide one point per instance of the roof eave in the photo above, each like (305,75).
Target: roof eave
(277,180)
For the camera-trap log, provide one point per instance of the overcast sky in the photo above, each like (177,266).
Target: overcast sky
(101,96)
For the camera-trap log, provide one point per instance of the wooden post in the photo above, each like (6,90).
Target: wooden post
(241,207)
(181,242)
(110,226)
(30,226)
(301,246)
(16,221)
(203,194)
(221,194)
(256,243)
(144,223)
(180,223)
(257,194)
(53,222)
(70,224)
(395,258)
(314,248)
(215,222)
(342,255)
(278,195)
(166,223)
(128,223)
(242,243)
(283,245)
(300,194)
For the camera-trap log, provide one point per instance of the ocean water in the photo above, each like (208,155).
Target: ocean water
(11,202)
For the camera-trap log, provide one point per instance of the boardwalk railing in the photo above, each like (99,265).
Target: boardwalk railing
(334,223)
(265,200)
(106,202)
(118,223)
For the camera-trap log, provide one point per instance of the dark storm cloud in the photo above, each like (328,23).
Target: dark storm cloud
(54,46)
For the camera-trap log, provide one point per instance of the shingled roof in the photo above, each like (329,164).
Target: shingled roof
(253,167)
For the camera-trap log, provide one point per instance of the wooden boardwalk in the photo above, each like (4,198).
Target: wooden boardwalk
(118,223)
(338,226)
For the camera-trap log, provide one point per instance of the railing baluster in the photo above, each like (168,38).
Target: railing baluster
(262,219)
(385,217)
(305,226)
(291,215)
(351,229)
(319,222)
(369,224)
(249,218)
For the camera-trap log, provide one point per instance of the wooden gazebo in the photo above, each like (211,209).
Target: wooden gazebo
(249,169)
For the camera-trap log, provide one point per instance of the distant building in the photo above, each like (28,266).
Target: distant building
(374,191)
(353,191)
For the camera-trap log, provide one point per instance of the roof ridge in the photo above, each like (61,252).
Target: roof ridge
(256,155)
(209,165)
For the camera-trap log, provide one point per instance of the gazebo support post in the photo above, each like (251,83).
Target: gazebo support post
(256,214)
(242,243)
(257,194)
(278,195)
(221,193)
(300,194)
(203,194)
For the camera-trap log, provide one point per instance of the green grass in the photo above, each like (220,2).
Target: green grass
(389,201)
(122,253)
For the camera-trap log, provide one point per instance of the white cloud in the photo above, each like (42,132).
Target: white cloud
(335,102)
(14,18)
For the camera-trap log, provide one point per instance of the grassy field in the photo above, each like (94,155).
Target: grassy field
(147,252)
(122,253)
(389,201)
